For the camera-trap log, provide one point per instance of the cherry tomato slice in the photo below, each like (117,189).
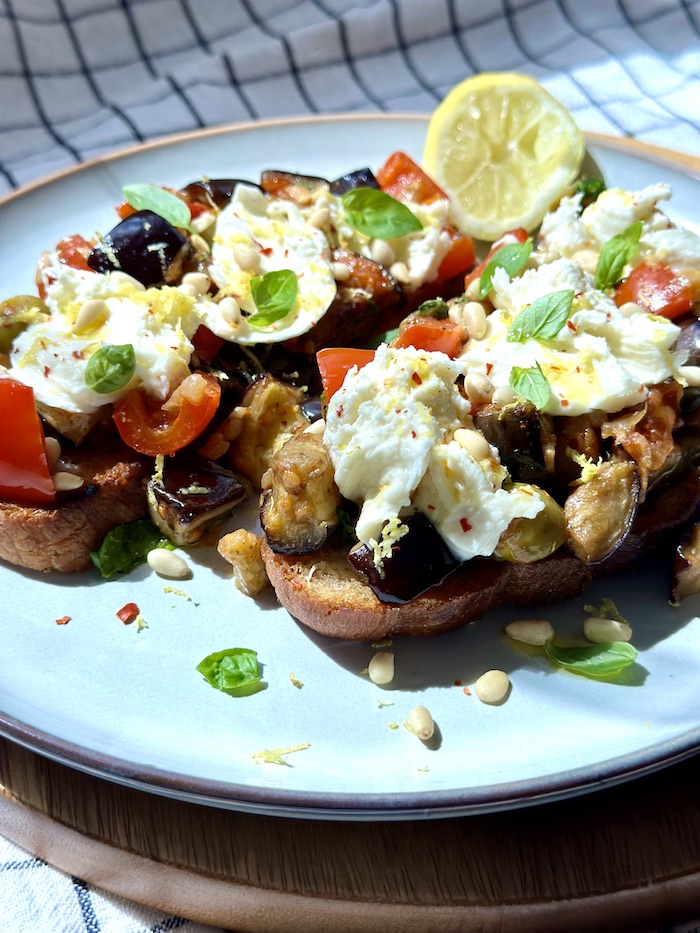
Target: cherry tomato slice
(334,363)
(427,333)
(206,343)
(658,290)
(24,470)
(519,235)
(152,429)
(459,258)
(74,251)
(406,181)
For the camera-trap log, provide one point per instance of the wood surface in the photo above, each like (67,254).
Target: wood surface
(625,858)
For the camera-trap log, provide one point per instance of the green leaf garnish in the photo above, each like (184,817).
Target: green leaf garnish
(544,318)
(435,308)
(512,258)
(234,671)
(275,295)
(110,368)
(590,188)
(161,202)
(530,384)
(615,254)
(126,546)
(377,214)
(596,661)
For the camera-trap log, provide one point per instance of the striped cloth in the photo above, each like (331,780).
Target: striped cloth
(79,78)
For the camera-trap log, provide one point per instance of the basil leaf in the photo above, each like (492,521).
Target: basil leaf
(275,295)
(512,258)
(161,202)
(530,384)
(434,307)
(110,368)
(375,213)
(126,546)
(596,661)
(590,188)
(544,318)
(234,671)
(615,254)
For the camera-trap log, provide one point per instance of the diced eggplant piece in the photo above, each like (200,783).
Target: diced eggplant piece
(419,560)
(189,495)
(516,432)
(689,341)
(686,568)
(362,178)
(212,192)
(599,513)
(302,189)
(145,246)
(300,500)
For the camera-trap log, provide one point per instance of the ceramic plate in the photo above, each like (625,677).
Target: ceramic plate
(129,705)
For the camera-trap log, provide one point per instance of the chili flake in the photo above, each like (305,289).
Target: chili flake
(417,379)
(63,620)
(128,613)
(464,525)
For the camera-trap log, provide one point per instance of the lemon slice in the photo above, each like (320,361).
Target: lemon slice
(504,150)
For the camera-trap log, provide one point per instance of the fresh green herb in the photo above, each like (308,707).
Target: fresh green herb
(347,526)
(234,671)
(590,188)
(530,384)
(126,546)
(615,254)
(434,307)
(544,318)
(377,214)
(385,337)
(110,368)
(275,295)
(161,202)
(596,661)
(512,258)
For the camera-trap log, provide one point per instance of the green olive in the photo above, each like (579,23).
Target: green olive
(16,314)
(526,540)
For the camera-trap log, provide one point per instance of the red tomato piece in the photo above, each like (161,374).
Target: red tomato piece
(519,235)
(406,181)
(154,429)
(74,251)
(460,257)
(658,290)
(124,209)
(24,469)
(334,363)
(427,333)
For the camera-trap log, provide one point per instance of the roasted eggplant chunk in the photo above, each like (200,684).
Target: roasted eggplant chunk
(212,192)
(599,513)
(302,189)
(362,178)
(300,501)
(517,434)
(189,494)
(144,246)
(686,568)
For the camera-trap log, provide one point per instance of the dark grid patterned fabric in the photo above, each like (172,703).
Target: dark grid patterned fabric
(79,78)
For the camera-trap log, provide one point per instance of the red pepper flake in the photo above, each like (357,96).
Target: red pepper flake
(47,370)
(464,525)
(128,613)
(64,620)
(467,691)
(413,434)
(432,508)
(489,367)
(565,403)
(572,326)
(417,379)
(339,411)
(78,354)
(458,683)
(266,250)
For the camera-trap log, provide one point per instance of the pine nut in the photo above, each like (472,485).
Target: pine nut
(530,631)
(67,482)
(52,446)
(479,388)
(199,244)
(90,313)
(382,253)
(492,687)
(167,564)
(421,723)
(473,442)
(316,427)
(381,668)
(247,258)
(230,311)
(341,272)
(399,271)
(320,217)
(691,374)
(474,319)
(127,279)
(600,631)
(189,290)
(502,396)
(629,308)
(200,281)
(473,289)
(202,221)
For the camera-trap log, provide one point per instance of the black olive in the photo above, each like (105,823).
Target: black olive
(363,178)
(419,560)
(213,192)
(144,245)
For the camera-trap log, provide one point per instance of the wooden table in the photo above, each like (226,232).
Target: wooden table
(625,858)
